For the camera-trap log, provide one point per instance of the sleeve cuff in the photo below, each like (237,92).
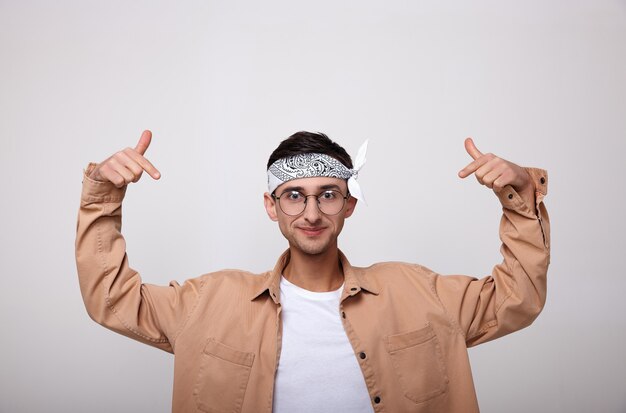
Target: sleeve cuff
(98,191)
(510,199)
(540,179)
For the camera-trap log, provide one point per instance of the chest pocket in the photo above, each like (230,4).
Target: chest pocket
(222,378)
(418,363)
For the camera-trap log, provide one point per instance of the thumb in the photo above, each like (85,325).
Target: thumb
(144,142)
(472,149)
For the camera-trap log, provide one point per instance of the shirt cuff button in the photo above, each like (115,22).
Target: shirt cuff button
(542,180)
(510,196)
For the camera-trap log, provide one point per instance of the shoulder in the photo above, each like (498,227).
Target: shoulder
(399,280)
(400,275)
(234,277)
(395,269)
(226,284)
(223,280)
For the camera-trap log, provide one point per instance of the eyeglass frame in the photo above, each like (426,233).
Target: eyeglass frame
(306,199)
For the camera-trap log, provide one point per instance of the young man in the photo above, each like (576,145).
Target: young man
(316,334)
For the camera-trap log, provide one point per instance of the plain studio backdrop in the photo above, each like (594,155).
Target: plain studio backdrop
(220,83)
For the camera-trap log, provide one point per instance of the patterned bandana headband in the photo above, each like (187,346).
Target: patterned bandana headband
(311,165)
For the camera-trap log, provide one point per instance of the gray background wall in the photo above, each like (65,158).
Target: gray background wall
(220,83)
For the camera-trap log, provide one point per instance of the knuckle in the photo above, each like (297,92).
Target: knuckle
(107,172)
(135,169)
(130,152)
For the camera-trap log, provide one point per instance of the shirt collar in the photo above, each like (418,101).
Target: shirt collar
(355,279)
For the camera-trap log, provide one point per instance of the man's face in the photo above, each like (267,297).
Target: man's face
(312,232)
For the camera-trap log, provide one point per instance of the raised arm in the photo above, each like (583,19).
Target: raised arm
(113,292)
(513,295)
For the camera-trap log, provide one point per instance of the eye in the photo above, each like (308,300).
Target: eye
(328,195)
(293,196)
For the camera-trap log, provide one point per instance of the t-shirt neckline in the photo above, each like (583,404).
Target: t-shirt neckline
(285,285)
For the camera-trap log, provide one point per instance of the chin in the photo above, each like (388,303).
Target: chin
(311,248)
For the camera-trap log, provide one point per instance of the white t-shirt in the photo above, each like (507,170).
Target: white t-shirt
(318,370)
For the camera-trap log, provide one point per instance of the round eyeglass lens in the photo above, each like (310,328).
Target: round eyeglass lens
(330,202)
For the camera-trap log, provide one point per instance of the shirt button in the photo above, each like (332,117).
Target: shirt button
(510,196)
(542,180)
(376,399)
(362,355)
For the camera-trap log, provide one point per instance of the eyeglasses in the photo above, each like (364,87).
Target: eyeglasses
(294,202)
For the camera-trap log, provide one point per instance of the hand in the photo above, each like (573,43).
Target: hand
(496,173)
(127,165)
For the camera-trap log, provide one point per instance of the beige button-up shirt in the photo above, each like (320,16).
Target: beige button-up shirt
(409,326)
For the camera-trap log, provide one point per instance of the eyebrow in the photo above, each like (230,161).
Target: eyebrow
(322,187)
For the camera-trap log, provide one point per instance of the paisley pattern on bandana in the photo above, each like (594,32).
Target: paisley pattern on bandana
(309,165)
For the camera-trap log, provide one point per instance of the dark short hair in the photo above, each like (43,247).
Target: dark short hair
(309,142)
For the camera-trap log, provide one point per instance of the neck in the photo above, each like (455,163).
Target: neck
(319,272)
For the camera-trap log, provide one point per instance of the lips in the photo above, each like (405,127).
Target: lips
(311,232)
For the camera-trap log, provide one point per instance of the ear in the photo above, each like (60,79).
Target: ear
(351,204)
(270,206)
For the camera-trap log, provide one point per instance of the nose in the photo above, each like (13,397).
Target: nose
(312,211)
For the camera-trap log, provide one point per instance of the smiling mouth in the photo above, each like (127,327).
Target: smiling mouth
(311,231)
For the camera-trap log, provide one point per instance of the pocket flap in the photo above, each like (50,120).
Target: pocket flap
(222,351)
(405,340)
